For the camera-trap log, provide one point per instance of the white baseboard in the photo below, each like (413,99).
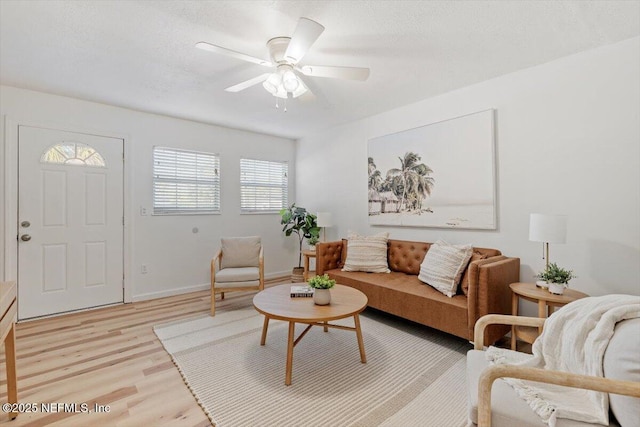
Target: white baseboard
(194,288)
(170,292)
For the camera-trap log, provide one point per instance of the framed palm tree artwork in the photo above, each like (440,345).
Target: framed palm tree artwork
(437,175)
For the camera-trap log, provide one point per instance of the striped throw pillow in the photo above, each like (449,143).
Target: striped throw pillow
(367,253)
(443,266)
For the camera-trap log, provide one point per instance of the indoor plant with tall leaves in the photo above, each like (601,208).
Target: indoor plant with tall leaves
(299,221)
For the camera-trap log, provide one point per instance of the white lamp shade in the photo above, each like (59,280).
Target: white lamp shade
(548,228)
(323,219)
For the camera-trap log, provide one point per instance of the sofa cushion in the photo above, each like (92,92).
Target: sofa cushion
(443,266)
(466,276)
(240,252)
(621,362)
(405,296)
(367,253)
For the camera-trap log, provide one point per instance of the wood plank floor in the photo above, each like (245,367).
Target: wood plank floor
(109,356)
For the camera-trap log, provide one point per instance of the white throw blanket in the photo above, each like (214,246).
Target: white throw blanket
(574,340)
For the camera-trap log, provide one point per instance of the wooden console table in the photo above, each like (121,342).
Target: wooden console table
(9,310)
(546,302)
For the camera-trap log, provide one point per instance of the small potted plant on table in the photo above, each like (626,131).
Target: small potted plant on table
(321,289)
(557,278)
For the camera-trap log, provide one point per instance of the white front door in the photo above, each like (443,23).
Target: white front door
(70,221)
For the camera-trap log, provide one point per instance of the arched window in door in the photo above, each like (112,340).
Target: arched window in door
(73,153)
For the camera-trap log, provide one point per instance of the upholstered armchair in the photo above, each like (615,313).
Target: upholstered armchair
(495,403)
(238,266)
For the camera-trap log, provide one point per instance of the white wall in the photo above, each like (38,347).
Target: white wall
(567,141)
(177,259)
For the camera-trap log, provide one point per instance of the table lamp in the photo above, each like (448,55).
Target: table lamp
(547,229)
(323,219)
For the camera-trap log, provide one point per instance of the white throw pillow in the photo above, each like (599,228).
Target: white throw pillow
(443,266)
(367,253)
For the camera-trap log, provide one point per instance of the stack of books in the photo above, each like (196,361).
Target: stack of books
(301,291)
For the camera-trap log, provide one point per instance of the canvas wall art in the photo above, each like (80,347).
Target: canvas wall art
(438,175)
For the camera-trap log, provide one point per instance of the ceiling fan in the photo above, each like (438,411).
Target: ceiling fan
(285,54)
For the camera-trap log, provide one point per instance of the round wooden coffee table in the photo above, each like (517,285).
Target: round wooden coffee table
(276,303)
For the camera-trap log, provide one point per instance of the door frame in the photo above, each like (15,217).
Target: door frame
(11,196)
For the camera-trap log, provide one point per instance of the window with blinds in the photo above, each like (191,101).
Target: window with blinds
(185,182)
(264,186)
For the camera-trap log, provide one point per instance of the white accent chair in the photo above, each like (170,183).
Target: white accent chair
(496,403)
(238,266)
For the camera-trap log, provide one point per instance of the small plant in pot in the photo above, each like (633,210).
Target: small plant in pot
(321,285)
(557,278)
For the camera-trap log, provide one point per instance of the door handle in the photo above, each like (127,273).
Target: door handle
(25,237)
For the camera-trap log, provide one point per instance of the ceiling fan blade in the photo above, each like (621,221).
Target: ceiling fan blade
(248,83)
(348,73)
(306,33)
(232,53)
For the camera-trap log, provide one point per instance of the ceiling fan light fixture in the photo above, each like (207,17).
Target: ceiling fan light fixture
(290,81)
(273,83)
(301,89)
(281,93)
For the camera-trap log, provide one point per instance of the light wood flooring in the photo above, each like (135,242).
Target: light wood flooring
(109,356)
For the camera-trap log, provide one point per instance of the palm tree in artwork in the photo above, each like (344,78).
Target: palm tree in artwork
(411,178)
(375,177)
(422,183)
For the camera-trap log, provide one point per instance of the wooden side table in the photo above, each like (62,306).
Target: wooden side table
(546,302)
(9,311)
(307,253)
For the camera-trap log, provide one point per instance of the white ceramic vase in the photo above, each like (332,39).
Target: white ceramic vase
(556,288)
(322,296)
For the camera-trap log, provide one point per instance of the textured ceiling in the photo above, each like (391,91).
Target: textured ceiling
(141,55)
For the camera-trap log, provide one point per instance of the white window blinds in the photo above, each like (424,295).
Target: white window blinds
(264,185)
(185,182)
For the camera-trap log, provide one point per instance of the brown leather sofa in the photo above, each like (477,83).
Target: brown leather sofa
(402,294)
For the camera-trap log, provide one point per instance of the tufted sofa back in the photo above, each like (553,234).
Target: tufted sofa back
(405,256)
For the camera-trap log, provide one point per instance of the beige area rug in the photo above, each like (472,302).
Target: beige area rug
(414,376)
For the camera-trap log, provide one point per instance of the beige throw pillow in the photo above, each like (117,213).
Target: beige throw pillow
(240,252)
(367,253)
(443,265)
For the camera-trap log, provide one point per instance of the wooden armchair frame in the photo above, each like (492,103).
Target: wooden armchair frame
(221,290)
(492,373)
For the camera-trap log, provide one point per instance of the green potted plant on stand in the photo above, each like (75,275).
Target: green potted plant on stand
(557,278)
(297,220)
(321,289)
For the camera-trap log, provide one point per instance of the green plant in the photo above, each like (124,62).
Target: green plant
(321,282)
(313,240)
(555,274)
(297,220)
